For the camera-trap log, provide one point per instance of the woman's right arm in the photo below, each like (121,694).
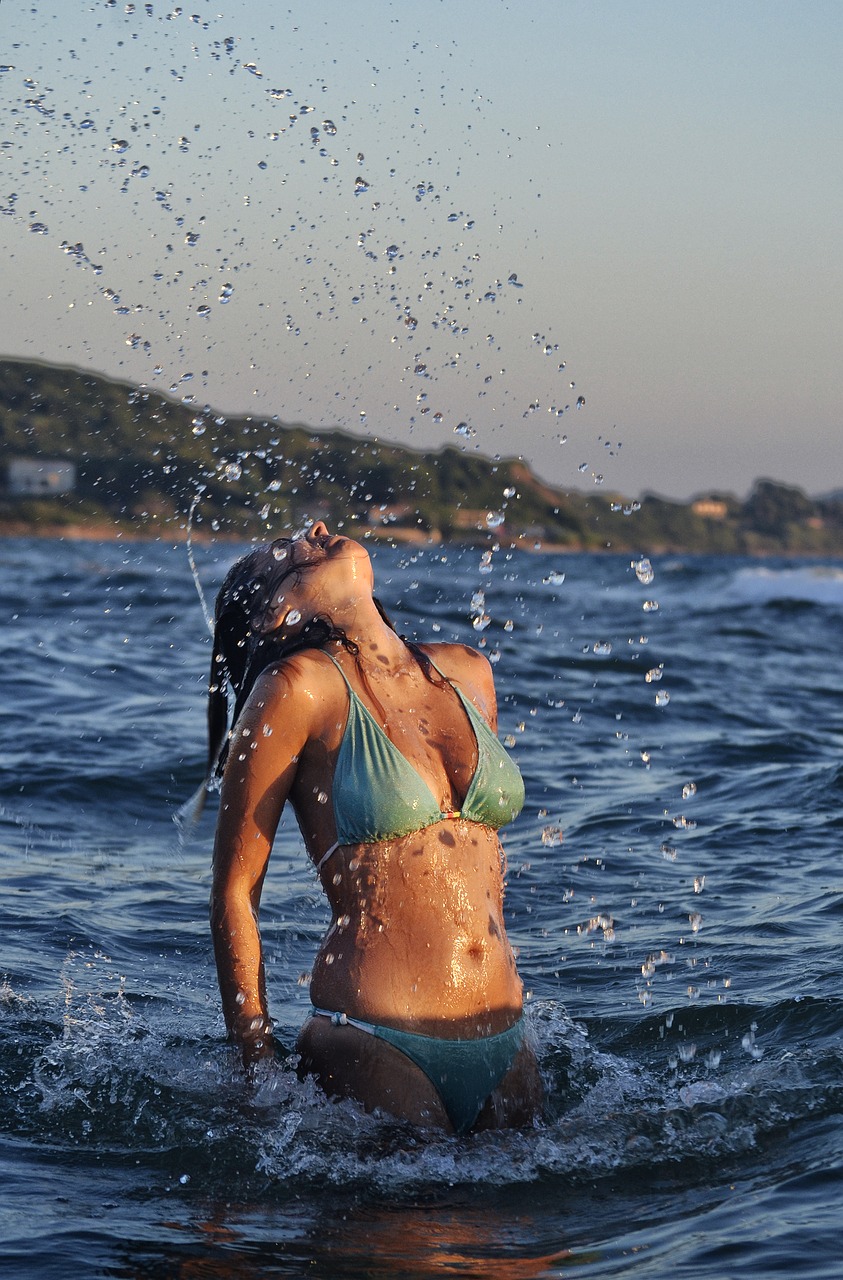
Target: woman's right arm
(261,767)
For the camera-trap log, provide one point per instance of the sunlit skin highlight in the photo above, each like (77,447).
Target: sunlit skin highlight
(417,938)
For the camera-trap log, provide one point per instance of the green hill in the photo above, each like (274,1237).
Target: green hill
(142,459)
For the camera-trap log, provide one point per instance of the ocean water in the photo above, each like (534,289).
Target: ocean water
(674,891)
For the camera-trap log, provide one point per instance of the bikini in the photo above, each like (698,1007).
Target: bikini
(378,795)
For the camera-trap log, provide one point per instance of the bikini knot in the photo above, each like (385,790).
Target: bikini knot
(339,1019)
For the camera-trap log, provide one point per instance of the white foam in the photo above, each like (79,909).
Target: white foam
(814,584)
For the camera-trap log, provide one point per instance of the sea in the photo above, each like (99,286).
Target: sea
(675,896)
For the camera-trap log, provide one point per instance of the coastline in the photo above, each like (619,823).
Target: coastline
(178,534)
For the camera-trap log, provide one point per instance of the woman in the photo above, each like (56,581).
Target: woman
(387,753)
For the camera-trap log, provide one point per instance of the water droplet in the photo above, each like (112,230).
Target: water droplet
(293,617)
(463,429)
(252,68)
(321,797)
(509,625)
(225,293)
(696,921)
(198,427)
(86,124)
(580,402)
(191,238)
(643,571)
(552,836)
(509,740)
(662,698)
(203,311)
(654,674)
(361,186)
(481,622)
(494,519)
(329,128)
(119,145)
(392,251)
(232,471)
(39,228)
(602,647)
(689,789)
(411,322)
(554,578)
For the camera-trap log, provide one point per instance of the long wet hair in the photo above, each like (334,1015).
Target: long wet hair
(244,645)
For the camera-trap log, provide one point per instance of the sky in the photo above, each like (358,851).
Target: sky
(602,235)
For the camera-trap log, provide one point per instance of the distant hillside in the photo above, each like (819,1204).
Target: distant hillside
(141,459)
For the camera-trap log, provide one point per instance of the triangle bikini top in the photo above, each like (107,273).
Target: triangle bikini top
(378,795)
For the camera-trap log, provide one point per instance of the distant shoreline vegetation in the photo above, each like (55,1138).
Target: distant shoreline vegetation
(85,456)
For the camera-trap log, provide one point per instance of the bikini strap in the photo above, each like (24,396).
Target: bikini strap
(331,658)
(463,697)
(351,695)
(326,855)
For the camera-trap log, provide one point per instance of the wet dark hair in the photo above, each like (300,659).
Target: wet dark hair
(243,647)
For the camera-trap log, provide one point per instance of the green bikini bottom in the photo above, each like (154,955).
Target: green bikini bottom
(463,1072)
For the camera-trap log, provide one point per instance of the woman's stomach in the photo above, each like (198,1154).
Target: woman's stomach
(418,938)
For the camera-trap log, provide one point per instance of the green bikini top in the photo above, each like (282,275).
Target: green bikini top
(377,794)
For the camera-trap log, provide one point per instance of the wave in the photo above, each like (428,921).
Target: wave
(808,584)
(103,1074)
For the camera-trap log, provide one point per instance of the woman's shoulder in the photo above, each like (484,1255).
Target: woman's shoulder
(456,657)
(471,669)
(305,680)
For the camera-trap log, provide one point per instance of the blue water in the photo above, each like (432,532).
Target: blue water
(681,951)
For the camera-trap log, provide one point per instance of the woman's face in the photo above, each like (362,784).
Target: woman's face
(320,574)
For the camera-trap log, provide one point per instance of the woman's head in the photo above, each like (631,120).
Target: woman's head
(273,602)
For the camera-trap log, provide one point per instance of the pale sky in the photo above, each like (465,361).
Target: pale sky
(662,178)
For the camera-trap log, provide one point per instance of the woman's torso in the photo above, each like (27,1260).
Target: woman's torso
(417,938)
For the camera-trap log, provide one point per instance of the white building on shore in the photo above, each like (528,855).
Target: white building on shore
(32,476)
